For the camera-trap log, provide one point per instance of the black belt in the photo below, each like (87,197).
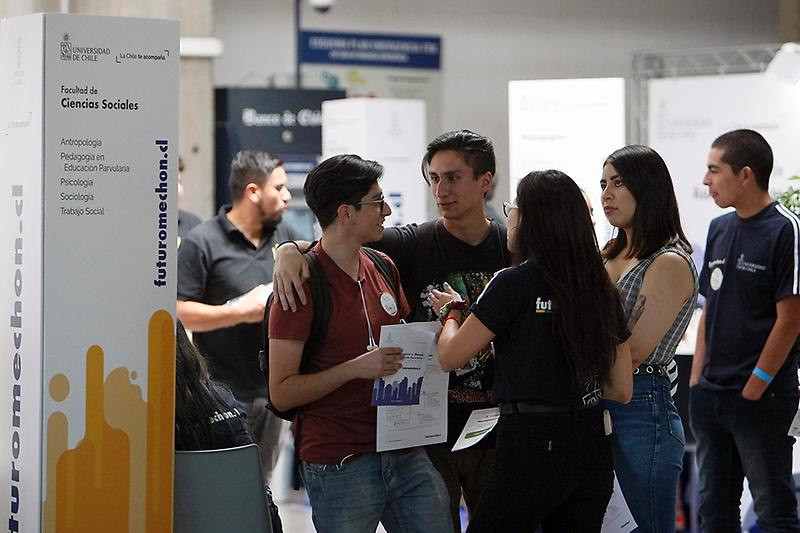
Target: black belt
(507,408)
(655,370)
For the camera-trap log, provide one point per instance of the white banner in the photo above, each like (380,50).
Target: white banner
(570,125)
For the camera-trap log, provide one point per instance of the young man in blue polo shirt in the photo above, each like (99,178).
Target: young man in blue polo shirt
(744,373)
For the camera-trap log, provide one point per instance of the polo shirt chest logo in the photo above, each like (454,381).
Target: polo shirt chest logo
(749,266)
(389,304)
(544,307)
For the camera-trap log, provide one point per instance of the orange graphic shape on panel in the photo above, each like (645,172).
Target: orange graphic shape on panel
(119,476)
(126,409)
(160,421)
(92,481)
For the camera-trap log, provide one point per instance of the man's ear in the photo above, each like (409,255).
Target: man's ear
(343,213)
(747,176)
(251,191)
(486,182)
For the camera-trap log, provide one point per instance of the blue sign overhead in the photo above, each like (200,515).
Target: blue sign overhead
(370,49)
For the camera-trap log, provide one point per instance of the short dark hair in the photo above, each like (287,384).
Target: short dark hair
(341,179)
(656,220)
(747,148)
(250,166)
(477,150)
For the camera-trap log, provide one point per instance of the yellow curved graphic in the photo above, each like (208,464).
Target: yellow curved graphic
(118,478)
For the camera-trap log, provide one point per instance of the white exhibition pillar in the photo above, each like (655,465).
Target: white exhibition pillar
(88,141)
(391,132)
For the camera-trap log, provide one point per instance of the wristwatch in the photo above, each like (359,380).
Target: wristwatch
(452,305)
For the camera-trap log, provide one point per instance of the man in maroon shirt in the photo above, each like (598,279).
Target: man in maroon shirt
(350,486)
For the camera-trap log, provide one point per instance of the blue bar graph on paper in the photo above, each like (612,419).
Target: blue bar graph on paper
(396,392)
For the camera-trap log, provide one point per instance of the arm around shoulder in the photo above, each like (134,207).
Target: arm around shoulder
(289,273)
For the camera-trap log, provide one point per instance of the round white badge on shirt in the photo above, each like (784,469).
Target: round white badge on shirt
(388,304)
(716,278)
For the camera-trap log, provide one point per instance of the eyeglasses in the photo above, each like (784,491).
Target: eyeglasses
(380,202)
(507,207)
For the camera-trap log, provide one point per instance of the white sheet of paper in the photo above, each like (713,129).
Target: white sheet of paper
(618,516)
(794,429)
(405,426)
(479,424)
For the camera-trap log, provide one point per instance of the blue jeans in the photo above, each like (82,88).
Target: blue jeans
(738,438)
(402,490)
(648,452)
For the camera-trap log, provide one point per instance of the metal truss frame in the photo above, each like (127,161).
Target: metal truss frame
(697,62)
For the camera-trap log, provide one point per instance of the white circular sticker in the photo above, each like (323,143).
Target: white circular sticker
(716,278)
(388,304)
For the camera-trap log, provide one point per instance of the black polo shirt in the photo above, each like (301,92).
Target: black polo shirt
(216,263)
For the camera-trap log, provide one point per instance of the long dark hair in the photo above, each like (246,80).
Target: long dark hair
(555,234)
(656,221)
(195,398)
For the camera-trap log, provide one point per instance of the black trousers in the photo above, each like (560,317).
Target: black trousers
(551,470)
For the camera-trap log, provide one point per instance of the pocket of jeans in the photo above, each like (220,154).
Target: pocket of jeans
(314,468)
(674,420)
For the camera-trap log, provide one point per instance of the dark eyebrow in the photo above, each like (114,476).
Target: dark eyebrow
(611,177)
(377,196)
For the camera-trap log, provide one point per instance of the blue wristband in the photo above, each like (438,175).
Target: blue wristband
(763,375)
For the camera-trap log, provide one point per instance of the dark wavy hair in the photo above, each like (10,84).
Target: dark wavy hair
(656,220)
(555,234)
(341,179)
(195,398)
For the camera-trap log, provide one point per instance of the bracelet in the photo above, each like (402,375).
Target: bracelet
(275,248)
(452,305)
(287,242)
(451,318)
(757,372)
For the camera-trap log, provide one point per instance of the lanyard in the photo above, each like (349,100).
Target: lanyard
(372,345)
